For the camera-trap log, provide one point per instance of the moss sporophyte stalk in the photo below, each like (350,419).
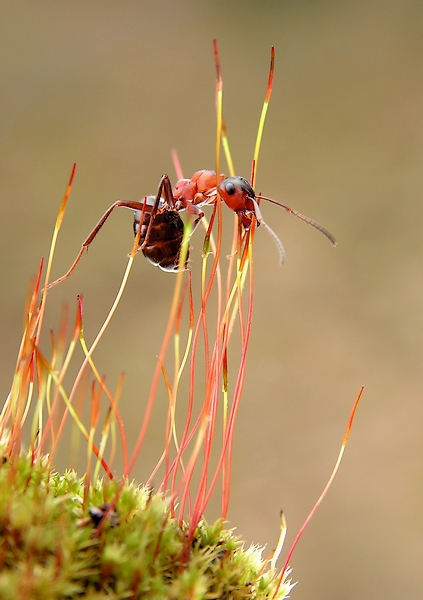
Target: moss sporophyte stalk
(103,536)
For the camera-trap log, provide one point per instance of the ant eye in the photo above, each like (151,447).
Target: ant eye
(230,188)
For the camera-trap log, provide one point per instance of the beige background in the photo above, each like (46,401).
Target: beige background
(114,86)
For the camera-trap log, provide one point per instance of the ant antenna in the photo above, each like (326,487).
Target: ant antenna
(302,217)
(269,230)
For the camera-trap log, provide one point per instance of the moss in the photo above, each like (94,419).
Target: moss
(53,545)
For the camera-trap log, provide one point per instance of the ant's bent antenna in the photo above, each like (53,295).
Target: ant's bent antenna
(302,217)
(270,231)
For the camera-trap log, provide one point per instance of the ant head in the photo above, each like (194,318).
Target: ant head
(237,193)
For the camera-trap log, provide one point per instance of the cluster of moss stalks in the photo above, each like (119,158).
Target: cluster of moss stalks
(60,539)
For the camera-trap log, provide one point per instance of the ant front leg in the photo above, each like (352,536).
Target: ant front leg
(126,204)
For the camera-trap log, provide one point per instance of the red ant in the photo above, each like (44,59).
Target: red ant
(239,196)
(162,228)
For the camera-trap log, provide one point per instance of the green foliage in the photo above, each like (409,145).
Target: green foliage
(54,544)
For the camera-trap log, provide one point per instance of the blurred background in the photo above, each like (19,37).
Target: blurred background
(114,86)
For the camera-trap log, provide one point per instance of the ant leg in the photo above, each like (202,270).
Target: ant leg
(87,242)
(191,208)
(166,187)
